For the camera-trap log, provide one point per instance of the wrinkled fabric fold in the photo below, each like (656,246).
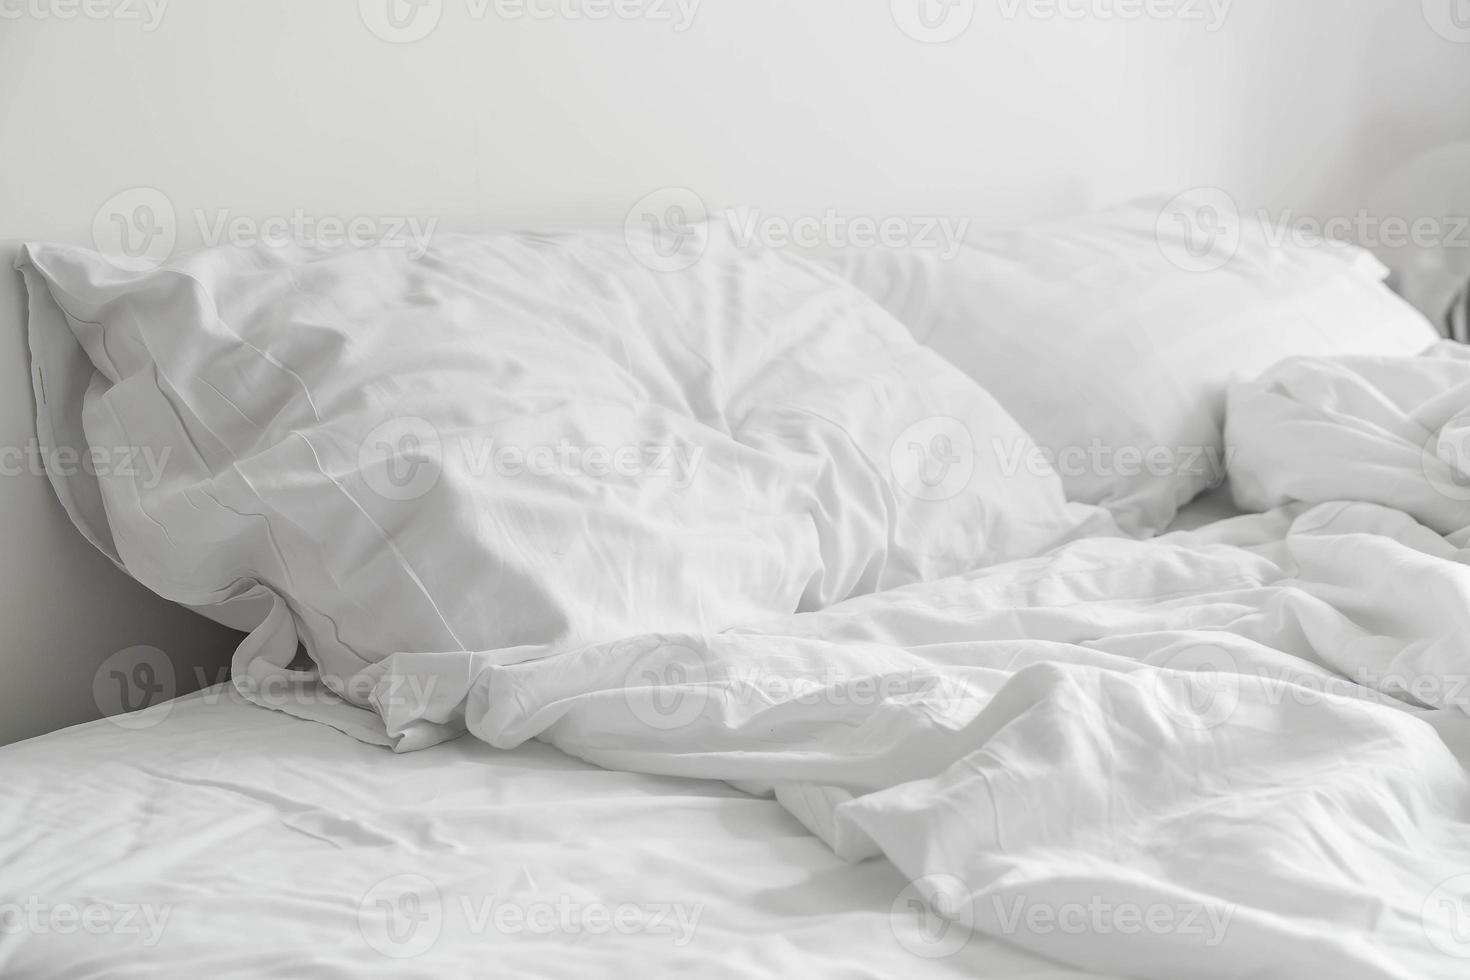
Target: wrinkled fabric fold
(1232,736)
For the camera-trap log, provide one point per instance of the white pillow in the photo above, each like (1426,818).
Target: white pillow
(1113,337)
(514,440)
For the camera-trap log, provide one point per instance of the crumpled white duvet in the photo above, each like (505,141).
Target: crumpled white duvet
(1216,754)
(1391,431)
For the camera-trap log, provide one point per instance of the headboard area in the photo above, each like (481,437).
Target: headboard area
(154,125)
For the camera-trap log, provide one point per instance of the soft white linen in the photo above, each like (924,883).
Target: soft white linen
(1239,726)
(1112,337)
(1392,431)
(211,839)
(1232,752)
(514,439)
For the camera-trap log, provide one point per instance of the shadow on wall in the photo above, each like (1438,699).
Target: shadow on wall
(82,639)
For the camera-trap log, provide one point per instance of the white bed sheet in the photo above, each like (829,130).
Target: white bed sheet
(222,840)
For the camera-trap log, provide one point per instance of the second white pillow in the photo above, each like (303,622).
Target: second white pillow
(1113,337)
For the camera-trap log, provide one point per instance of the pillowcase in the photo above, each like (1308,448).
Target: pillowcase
(1112,338)
(513,441)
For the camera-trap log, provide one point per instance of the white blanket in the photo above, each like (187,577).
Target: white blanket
(1393,431)
(1210,755)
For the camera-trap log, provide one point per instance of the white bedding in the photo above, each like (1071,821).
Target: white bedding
(1235,751)
(355,446)
(1240,725)
(1112,338)
(225,841)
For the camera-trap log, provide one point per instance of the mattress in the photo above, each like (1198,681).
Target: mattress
(211,838)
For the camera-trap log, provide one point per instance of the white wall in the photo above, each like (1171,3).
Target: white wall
(270,104)
(267,106)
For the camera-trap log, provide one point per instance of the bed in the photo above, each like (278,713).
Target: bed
(865,658)
(1084,597)
(242,842)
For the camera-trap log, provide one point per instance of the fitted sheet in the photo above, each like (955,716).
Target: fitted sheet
(213,838)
